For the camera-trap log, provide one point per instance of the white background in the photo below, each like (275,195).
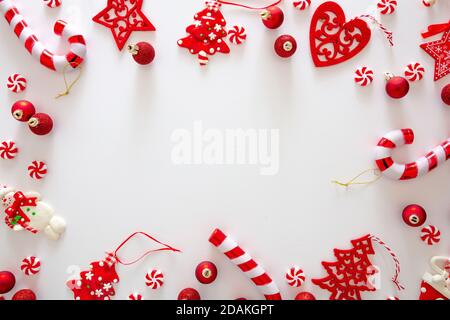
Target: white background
(110,171)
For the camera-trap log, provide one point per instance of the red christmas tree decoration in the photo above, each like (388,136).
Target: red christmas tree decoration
(123,17)
(333,39)
(207,33)
(439,50)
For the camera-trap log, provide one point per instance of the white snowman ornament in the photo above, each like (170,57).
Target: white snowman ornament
(26,211)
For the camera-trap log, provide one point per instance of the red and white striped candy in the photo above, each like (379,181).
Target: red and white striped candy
(202,58)
(414,71)
(428,3)
(423,165)
(302,4)
(430,235)
(31,266)
(154,279)
(363,76)
(8,150)
(37,170)
(245,262)
(237,35)
(135,296)
(392,298)
(295,277)
(387,6)
(16,83)
(52,3)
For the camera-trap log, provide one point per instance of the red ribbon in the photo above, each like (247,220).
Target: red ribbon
(15,209)
(435,29)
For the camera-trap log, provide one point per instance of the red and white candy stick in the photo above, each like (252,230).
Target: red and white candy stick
(245,262)
(37,49)
(420,167)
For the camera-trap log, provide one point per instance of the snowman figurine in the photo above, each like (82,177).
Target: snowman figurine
(26,211)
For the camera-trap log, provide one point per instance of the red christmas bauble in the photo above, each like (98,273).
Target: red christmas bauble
(189,294)
(7,281)
(414,215)
(40,124)
(23,110)
(305,296)
(272,17)
(285,46)
(445,94)
(206,272)
(142,52)
(240,299)
(397,87)
(24,294)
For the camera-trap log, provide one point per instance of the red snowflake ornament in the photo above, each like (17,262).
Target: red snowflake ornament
(123,17)
(207,33)
(333,39)
(439,50)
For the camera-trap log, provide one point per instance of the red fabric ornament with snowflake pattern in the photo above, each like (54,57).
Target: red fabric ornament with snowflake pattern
(439,50)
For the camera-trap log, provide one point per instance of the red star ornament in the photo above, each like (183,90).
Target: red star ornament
(439,50)
(123,17)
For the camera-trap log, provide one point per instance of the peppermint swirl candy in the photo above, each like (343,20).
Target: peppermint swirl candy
(52,3)
(387,6)
(302,4)
(363,76)
(295,277)
(31,266)
(135,296)
(16,83)
(37,170)
(430,235)
(8,150)
(154,279)
(237,35)
(414,71)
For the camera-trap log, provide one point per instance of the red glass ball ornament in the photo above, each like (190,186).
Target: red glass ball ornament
(414,215)
(40,124)
(397,87)
(7,281)
(240,299)
(189,294)
(206,272)
(445,94)
(305,296)
(24,294)
(142,52)
(272,17)
(22,110)
(285,46)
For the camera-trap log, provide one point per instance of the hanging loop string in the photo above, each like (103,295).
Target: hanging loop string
(388,34)
(248,7)
(396,262)
(165,247)
(68,85)
(353,181)
(435,29)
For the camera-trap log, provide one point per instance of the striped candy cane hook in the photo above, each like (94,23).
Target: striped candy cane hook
(54,62)
(421,166)
(245,262)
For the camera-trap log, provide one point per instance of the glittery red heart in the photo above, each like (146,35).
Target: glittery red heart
(332,39)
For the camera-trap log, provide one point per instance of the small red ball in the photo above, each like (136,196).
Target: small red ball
(206,272)
(305,296)
(240,299)
(397,87)
(285,46)
(23,110)
(40,124)
(24,294)
(272,17)
(445,94)
(7,281)
(142,52)
(414,215)
(189,294)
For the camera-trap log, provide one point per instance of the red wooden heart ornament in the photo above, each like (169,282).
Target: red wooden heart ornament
(332,39)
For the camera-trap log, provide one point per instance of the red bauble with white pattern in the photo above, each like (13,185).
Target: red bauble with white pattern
(387,6)
(414,71)
(430,235)
(302,4)
(363,76)
(154,279)
(8,150)
(237,35)
(37,170)
(30,266)
(16,83)
(295,277)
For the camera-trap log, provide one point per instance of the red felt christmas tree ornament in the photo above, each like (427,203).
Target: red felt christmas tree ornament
(439,50)
(97,283)
(396,87)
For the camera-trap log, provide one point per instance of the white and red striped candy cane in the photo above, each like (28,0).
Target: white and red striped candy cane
(421,166)
(54,62)
(245,262)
